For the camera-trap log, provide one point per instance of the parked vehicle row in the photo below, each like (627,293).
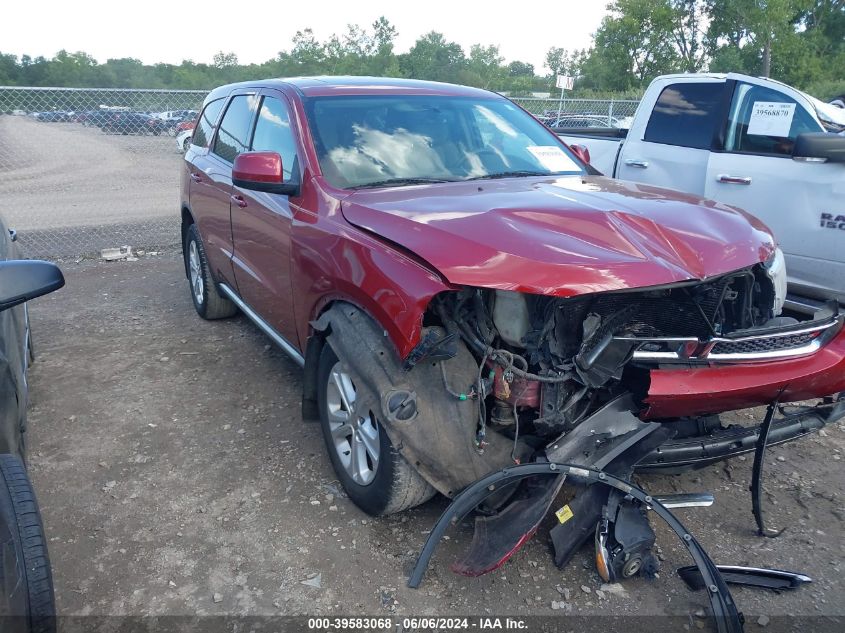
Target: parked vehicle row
(123,120)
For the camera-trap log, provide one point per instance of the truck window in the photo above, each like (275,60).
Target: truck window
(233,133)
(765,121)
(206,121)
(273,134)
(686,115)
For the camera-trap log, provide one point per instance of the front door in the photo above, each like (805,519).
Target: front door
(798,200)
(261,224)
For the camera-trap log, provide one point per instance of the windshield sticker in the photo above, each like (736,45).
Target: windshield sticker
(553,158)
(771,119)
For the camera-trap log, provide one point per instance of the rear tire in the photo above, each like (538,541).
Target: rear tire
(26,581)
(208,301)
(386,482)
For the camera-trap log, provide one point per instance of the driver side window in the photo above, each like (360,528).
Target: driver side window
(765,121)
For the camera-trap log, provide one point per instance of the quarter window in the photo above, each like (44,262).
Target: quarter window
(686,115)
(273,134)
(765,121)
(205,123)
(233,133)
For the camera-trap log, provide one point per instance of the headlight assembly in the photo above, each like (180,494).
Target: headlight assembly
(776,270)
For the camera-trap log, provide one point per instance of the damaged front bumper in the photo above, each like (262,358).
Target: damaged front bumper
(677,390)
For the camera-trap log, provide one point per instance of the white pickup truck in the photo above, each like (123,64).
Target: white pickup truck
(753,143)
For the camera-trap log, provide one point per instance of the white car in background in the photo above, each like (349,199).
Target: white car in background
(183,140)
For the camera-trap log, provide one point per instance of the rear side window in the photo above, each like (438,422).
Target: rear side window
(273,134)
(205,123)
(233,132)
(686,115)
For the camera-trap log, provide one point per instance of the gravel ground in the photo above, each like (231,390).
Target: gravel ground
(72,190)
(176,476)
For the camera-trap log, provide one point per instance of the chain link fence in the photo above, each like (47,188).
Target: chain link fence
(581,112)
(82,170)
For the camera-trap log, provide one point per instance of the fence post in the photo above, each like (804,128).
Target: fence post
(610,114)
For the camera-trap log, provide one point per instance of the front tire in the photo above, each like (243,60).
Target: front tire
(209,303)
(372,472)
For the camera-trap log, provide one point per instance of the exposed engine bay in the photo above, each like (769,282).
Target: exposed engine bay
(548,362)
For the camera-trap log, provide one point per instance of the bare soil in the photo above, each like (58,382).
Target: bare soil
(176,476)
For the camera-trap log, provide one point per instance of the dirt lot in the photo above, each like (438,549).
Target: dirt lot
(176,477)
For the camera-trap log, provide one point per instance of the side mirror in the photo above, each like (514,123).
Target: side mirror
(22,280)
(261,171)
(581,152)
(819,147)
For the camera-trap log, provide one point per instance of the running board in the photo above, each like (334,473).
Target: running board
(265,327)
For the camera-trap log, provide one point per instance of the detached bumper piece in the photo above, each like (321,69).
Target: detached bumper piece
(679,455)
(776,579)
(726,617)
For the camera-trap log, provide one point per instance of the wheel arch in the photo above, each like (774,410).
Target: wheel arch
(320,328)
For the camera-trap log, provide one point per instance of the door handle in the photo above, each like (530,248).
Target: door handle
(734,180)
(238,200)
(632,162)
(196,177)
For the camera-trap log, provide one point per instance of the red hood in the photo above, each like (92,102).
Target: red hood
(561,235)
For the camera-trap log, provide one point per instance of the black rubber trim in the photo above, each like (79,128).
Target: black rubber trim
(726,616)
(696,452)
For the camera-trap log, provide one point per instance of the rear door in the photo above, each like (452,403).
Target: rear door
(261,222)
(671,146)
(755,170)
(210,163)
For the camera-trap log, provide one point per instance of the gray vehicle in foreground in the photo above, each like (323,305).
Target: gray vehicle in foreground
(27,602)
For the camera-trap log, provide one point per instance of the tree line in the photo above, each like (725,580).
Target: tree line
(800,42)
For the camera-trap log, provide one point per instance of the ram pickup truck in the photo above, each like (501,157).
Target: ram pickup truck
(752,143)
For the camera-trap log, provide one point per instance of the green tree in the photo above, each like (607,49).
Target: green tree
(747,31)
(633,44)
(433,57)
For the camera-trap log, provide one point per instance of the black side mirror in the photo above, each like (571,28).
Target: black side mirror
(22,280)
(822,147)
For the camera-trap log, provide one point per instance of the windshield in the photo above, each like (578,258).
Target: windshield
(406,139)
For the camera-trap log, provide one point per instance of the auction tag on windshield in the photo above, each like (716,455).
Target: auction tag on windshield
(553,158)
(771,119)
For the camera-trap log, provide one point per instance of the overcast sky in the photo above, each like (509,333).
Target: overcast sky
(170,31)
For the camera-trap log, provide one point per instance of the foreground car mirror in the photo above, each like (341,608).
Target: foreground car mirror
(821,147)
(581,152)
(261,171)
(22,280)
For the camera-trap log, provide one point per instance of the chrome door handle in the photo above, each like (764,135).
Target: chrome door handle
(734,180)
(631,162)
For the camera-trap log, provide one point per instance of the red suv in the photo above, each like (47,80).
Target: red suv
(463,291)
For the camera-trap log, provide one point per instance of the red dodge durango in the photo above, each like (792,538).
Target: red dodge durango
(463,291)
